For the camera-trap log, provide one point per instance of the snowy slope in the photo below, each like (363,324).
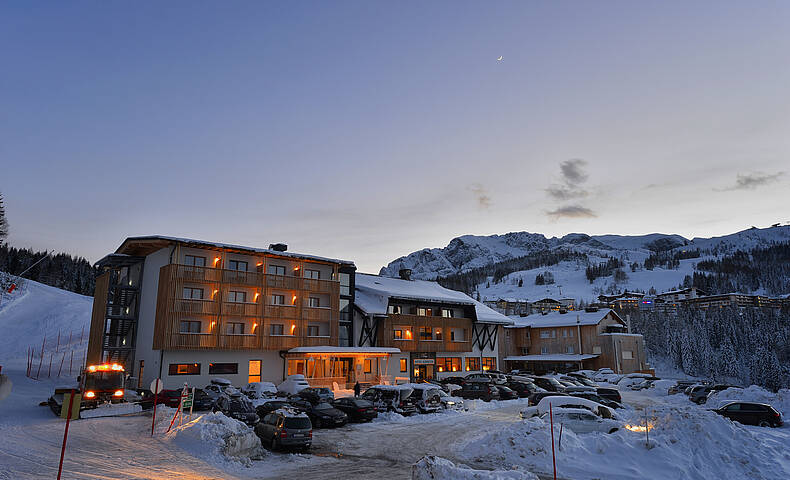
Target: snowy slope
(469,251)
(37,311)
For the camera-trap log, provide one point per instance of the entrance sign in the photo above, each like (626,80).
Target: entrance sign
(423,361)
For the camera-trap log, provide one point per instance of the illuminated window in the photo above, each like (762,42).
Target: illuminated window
(447,313)
(424,312)
(254,371)
(403,364)
(184,369)
(425,333)
(394,309)
(448,364)
(437,334)
(398,334)
(367,366)
(489,363)
(472,364)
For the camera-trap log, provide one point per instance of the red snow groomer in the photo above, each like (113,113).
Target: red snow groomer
(102,388)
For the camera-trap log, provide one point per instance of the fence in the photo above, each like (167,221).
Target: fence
(55,354)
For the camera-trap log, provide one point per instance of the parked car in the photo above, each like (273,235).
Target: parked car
(566,401)
(258,390)
(523,389)
(497,378)
(749,413)
(391,398)
(579,378)
(549,384)
(293,384)
(322,414)
(596,398)
(717,388)
(482,390)
(285,428)
(610,394)
(453,380)
(506,393)
(143,397)
(238,406)
(579,421)
(680,386)
(202,401)
(357,409)
(577,389)
(536,397)
(271,405)
(317,394)
(699,393)
(217,387)
(426,397)
(171,398)
(450,402)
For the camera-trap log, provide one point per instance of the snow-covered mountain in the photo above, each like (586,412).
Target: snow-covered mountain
(34,315)
(469,252)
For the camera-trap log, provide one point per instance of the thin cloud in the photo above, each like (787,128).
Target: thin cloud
(574,175)
(481,195)
(573,171)
(751,181)
(572,211)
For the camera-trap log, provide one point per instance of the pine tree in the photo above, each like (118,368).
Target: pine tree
(3,222)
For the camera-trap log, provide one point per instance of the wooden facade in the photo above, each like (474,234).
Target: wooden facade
(257,314)
(411,341)
(96,336)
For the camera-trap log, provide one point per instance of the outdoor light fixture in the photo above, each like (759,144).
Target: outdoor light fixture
(294,300)
(216,259)
(293,327)
(256,296)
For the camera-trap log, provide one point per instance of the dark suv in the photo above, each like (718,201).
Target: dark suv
(236,406)
(283,428)
(524,389)
(760,414)
(479,390)
(389,399)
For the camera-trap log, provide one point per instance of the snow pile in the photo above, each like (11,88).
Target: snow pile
(661,387)
(685,442)
(779,400)
(216,438)
(437,468)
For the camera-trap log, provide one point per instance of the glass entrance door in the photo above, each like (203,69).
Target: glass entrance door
(423,372)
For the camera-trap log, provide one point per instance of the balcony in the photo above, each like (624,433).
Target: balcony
(281,311)
(236,277)
(321,286)
(241,309)
(317,313)
(412,323)
(189,273)
(233,342)
(283,282)
(194,341)
(195,306)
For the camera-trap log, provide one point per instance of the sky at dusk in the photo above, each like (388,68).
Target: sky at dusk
(367,130)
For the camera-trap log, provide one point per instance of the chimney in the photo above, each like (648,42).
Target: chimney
(405,273)
(278,247)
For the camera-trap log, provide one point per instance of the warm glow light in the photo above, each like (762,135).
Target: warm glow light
(212,325)
(118,393)
(256,296)
(92,368)
(294,300)
(215,292)
(89,394)
(260,264)
(639,428)
(408,334)
(254,326)
(296,268)
(216,259)
(293,327)
(441,369)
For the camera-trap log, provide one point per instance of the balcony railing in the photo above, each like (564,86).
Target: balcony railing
(193,340)
(239,341)
(283,282)
(317,313)
(241,309)
(195,306)
(236,277)
(410,325)
(281,311)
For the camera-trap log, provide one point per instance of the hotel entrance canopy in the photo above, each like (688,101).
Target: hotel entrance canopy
(341,367)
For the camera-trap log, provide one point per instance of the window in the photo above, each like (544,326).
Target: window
(570,333)
(312,330)
(472,364)
(597,350)
(447,313)
(234,328)
(448,364)
(545,334)
(194,261)
(223,368)
(564,333)
(569,349)
(628,355)
(278,299)
(424,312)
(313,301)
(314,274)
(235,296)
(437,334)
(544,350)
(489,363)
(395,309)
(193,293)
(276,329)
(190,326)
(345,283)
(397,334)
(367,366)
(403,365)
(237,265)
(254,371)
(276,270)
(184,369)
(425,333)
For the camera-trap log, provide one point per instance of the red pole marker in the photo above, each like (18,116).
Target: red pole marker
(153,419)
(553,459)
(65,434)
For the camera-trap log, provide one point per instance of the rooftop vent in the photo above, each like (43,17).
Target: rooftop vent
(278,247)
(405,273)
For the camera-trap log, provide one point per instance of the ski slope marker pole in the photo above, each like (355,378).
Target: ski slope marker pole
(65,434)
(553,458)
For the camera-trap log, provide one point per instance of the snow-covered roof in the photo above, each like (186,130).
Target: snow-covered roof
(557,319)
(557,357)
(373,293)
(204,243)
(329,349)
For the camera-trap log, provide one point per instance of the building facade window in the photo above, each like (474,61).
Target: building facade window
(190,326)
(628,355)
(278,299)
(448,364)
(489,363)
(367,366)
(394,309)
(276,329)
(234,328)
(275,270)
(236,296)
(397,334)
(424,312)
(313,302)
(223,368)
(437,333)
(254,371)
(403,365)
(345,283)
(545,334)
(544,350)
(237,265)
(193,293)
(194,261)
(425,333)
(472,364)
(184,369)
(597,350)
(312,330)
(569,349)
(313,274)
(447,313)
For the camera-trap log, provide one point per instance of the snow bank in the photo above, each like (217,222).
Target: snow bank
(437,468)
(685,442)
(216,438)
(779,400)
